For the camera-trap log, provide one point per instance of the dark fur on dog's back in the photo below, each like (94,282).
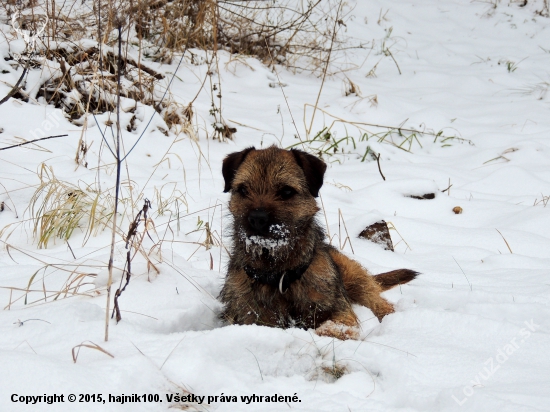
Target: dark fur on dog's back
(281,271)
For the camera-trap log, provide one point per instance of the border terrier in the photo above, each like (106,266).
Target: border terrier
(281,271)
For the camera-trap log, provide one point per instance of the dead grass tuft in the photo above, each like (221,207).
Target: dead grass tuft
(58,208)
(335,371)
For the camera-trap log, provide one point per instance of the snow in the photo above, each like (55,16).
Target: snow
(471,333)
(254,244)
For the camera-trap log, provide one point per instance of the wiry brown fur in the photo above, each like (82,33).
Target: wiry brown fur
(291,238)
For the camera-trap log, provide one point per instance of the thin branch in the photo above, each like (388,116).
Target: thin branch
(158,105)
(284,95)
(448,188)
(15,88)
(395,61)
(32,141)
(117,186)
(336,21)
(379,168)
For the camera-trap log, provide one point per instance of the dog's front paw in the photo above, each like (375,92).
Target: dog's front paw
(338,330)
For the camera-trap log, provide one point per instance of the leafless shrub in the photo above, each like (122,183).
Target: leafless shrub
(295,34)
(77,57)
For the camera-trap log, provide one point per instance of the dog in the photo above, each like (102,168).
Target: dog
(281,271)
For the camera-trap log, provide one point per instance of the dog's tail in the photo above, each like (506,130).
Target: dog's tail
(396,277)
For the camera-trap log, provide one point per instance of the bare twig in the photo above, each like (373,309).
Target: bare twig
(395,61)
(379,168)
(448,190)
(71,249)
(15,88)
(117,186)
(283,92)
(132,232)
(33,141)
(336,21)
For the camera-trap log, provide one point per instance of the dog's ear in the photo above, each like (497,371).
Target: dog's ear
(230,165)
(314,170)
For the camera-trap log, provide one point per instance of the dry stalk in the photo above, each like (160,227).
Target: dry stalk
(117,186)
(391,226)
(505,241)
(131,238)
(347,239)
(379,168)
(76,350)
(336,21)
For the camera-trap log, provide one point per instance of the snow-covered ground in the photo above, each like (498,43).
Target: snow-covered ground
(472,333)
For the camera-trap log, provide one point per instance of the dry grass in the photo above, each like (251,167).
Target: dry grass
(51,281)
(335,371)
(82,72)
(544,200)
(327,144)
(293,34)
(77,56)
(58,208)
(505,241)
(391,226)
(91,345)
(77,50)
(282,32)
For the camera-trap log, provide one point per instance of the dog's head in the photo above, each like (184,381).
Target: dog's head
(272,197)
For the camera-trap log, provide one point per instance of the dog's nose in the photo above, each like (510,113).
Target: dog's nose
(258,219)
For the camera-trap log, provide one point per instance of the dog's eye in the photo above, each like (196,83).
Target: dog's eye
(242,191)
(286,193)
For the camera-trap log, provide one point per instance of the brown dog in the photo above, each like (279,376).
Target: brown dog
(281,271)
